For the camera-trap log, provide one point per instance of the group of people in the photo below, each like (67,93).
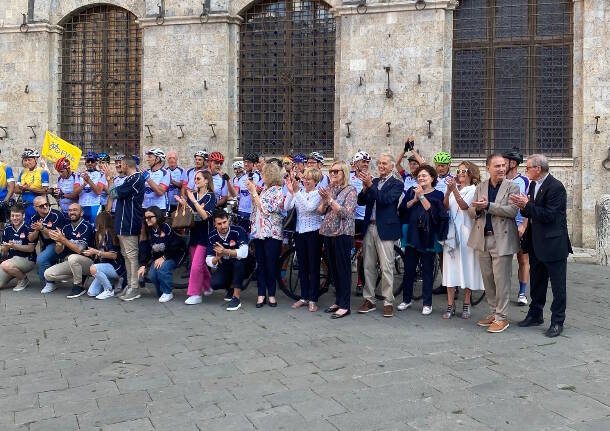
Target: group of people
(114,224)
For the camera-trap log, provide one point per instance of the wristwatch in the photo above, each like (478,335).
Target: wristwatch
(421,198)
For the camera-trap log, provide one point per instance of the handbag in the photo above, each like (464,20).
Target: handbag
(183,217)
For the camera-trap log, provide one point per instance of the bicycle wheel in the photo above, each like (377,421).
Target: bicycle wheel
(418,283)
(288,278)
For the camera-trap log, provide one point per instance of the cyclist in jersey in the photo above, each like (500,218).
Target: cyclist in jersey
(238,171)
(442,163)
(103,159)
(227,252)
(157,182)
(33,181)
(175,179)
(513,159)
(415,161)
(188,180)
(298,164)
(7,189)
(360,162)
(221,180)
(316,160)
(66,191)
(92,182)
(117,179)
(245,200)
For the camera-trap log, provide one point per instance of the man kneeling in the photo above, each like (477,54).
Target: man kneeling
(227,252)
(70,242)
(20,251)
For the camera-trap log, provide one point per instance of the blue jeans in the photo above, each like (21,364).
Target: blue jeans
(162,278)
(46,259)
(103,273)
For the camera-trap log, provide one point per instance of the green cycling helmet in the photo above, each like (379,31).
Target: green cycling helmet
(442,158)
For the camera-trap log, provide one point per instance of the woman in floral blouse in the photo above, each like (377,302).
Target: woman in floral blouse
(266,223)
(338,206)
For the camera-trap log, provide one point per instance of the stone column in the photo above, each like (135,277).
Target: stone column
(602,224)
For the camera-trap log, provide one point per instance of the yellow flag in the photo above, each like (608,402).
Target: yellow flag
(54,148)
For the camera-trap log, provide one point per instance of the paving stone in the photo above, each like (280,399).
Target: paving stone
(86,392)
(226,423)
(62,423)
(266,363)
(32,415)
(134,425)
(447,421)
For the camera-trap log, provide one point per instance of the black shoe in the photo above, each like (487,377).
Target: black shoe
(331,309)
(76,291)
(260,304)
(554,330)
(530,321)
(339,316)
(229,295)
(439,290)
(272,304)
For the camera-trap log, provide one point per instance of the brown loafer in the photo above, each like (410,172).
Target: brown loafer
(366,306)
(486,321)
(388,311)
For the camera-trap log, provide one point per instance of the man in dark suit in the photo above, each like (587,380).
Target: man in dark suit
(381,228)
(546,241)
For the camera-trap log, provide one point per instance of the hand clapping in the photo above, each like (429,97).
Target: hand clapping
(519,200)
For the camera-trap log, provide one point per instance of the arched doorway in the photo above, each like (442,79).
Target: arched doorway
(100,106)
(287,77)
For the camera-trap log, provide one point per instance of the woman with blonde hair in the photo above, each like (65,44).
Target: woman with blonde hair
(307,238)
(460,263)
(266,227)
(338,205)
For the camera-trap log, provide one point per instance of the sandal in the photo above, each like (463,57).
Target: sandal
(299,304)
(313,307)
(449,312)
(466,311)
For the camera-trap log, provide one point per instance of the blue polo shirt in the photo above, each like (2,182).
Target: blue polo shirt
(236,237)
(129,211)
(201,228)
(53,220)
(82,234)
(159,240)
(18,236)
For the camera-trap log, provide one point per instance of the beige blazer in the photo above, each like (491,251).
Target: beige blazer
(502,219)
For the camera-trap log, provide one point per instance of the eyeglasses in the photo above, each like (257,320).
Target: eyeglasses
(334,171)
(149,217)
(463,171)
(527,168)
(42,206)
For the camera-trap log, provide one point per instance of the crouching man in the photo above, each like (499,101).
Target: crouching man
(18,248)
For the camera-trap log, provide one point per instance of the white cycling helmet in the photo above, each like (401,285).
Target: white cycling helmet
(202,153)
(316,156)
(238,165)
(157,153)
(361,155)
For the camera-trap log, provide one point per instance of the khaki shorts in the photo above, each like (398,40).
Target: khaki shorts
(23,264)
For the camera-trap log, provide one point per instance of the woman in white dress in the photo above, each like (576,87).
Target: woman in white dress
(460,263)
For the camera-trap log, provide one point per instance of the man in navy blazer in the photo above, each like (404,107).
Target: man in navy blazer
(381,229)
(546,241)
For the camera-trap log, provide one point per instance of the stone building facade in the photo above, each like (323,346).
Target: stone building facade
(190,76)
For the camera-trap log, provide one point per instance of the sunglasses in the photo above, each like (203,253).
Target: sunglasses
(334,171)
(149,217)
(463,171)
(42,206)
(90,161)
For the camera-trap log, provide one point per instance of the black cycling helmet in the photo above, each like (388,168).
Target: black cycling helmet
(514,154)
(251,157)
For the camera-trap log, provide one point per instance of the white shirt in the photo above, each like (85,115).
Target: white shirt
(161,178)
(87,197)
(308,219)
(539,184)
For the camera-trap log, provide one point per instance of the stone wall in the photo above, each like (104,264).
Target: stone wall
(186,56)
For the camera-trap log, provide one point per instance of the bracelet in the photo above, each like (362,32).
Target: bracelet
(330,202)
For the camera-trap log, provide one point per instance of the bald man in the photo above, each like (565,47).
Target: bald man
(75,238)
(175,175)
(45,220)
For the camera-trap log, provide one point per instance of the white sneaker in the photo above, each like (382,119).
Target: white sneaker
(48,288)
(21,285)
(522,300)
(426,310)
(192,300)
(91,293)
(403,306)
(208,292)
(166,297)
(105,294)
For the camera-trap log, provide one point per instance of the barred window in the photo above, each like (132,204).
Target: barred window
(100,103)
(512,77)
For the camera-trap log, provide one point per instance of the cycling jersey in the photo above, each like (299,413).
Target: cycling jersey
(36,179)
(160,177)
(175,175)
(357,183)
(221,188)
(324,182)
(523,183)
(116,181)
(409,181)
(6,176)
(245,200)
(87,197)
(441,185)
(66,185)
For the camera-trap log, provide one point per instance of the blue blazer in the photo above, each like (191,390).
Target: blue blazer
(388,223)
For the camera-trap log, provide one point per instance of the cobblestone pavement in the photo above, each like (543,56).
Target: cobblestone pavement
(109,365)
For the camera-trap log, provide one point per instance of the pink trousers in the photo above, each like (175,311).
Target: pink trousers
(200,276)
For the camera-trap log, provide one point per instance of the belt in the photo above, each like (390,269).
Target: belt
(489,232)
